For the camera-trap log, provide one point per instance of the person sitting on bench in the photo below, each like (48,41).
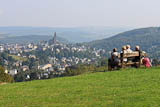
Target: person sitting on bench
(137,48)
(114,55)
(113,61)
(128,49)
(137,58)
(123,52)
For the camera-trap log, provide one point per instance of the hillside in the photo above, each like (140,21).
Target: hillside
(126,88)
(29,39)
(73,34)
(147,38)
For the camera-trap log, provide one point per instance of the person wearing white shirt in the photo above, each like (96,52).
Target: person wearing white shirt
(128,49)
(124,51)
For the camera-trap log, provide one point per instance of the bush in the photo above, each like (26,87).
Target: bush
(80,69)
(5,77)
(21,76)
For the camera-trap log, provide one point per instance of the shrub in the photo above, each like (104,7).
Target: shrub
(79,69)
(5,77)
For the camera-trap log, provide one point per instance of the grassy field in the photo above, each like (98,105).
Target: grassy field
(18,58)
(125,88)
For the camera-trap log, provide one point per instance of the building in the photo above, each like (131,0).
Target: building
(44,67)
(54,39)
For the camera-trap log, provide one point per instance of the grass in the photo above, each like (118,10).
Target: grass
(125,88)
(18,58)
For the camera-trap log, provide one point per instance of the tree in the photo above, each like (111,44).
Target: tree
(21,76)
(155,62)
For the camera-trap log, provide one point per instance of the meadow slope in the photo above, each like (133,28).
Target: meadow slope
(125,88)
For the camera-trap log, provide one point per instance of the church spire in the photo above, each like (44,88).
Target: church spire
(54,38)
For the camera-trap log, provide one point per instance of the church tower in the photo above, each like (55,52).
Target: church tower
(54,39)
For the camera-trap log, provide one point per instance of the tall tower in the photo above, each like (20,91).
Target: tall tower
(54,38)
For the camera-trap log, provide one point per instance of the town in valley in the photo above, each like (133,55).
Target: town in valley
(47,57)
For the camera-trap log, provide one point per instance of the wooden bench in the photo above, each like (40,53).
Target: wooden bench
(133,60)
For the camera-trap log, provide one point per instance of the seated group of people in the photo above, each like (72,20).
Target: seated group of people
(127,49)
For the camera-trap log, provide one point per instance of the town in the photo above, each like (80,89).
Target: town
(46,58)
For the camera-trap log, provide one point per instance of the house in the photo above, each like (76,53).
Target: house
(17,64)
(32,56)
(13,72)
(1,49)
(44,67)
(6,71)
(25,68)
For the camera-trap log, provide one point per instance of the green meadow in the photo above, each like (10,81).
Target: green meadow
(124,88)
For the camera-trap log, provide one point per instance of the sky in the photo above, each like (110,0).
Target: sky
(78,13)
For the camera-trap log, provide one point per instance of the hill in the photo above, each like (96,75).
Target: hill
(147,38)
(73,34)
(129,87)
(29,39)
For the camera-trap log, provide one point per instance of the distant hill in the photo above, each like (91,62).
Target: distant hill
(74,34)
(29,39)
(147,38)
